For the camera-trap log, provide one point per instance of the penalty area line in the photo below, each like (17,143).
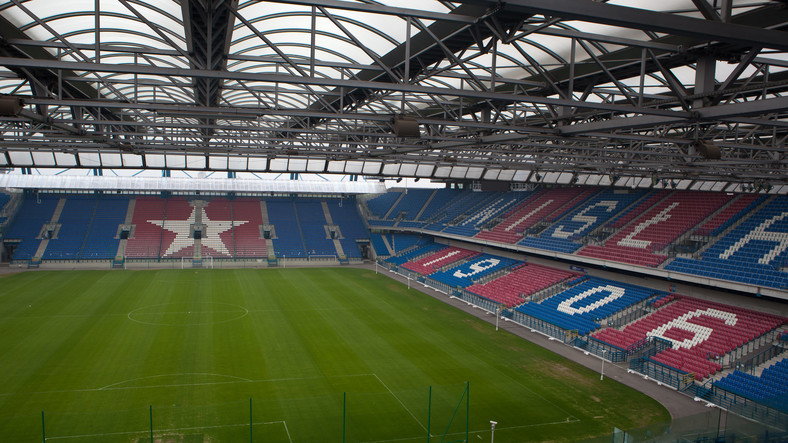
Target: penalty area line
(160,431)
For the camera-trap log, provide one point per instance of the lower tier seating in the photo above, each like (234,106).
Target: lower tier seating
(469,272)
(524,280)
(419,251)
(771,388)
(582,307)
(433,262)
(698,330)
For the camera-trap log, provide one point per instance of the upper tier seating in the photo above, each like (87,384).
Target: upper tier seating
(411,203)
(563,236)
(441,198)
(636,211)
(381,204)
(493,207)
(4,199)
(312,224)
(698,330)
(161,228)
(218,239)
(247,220)
(74,223)
(512,288)
(771,388)
(146,240)
(539,206)
(101,241)
(738,208)
(433,262)
(754,252)
(34,212)
(581,307)
(467,273)
(638,242)
(344,214)
(464,205)
(288,241)
(175,239)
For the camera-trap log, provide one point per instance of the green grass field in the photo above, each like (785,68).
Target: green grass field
(96,349)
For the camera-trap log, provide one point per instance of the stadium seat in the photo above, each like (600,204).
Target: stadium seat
(699,331)
(584,306)
(469,272)
(643,236)
(527,279)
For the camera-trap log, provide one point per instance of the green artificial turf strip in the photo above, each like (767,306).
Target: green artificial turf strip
(96,349)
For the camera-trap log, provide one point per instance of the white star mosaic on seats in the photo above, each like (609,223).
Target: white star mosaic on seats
(210,238)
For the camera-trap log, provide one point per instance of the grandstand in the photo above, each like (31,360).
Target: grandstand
(606,179)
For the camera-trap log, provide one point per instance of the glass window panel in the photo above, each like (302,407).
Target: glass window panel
(175,161)
(63,159)
(391,169)
(371,167)
(258,163)
(110,159)
(216,162)
(155,160)
(408,169)
(424,170)
(336,166)
(89,159)
(195,161)
(354,167)
(506,174)
(492,174)
(132,160)
(458,171)
(278,164)
(43,159)
(474,173)
(442,171)
(236,163)
(315,165)
(520,175)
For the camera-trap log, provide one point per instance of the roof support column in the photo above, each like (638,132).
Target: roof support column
(704,79)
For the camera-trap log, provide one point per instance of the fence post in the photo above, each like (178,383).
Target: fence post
(344,416)
(150,419)
(467,409)
(43,429)
(429,412)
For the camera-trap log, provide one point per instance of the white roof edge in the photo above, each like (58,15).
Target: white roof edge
(186,184)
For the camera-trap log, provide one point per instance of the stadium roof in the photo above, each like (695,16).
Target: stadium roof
(574,91)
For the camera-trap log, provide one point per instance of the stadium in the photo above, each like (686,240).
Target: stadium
(391,221)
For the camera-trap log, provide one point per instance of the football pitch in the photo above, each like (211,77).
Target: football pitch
(279,355)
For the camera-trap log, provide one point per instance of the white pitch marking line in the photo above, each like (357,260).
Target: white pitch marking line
(121,388)
(400,401)
(160,431)
(284,422)
(175,375)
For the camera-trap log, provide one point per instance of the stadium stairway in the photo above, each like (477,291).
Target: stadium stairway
(330,221)
(42,246)
(120,254)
